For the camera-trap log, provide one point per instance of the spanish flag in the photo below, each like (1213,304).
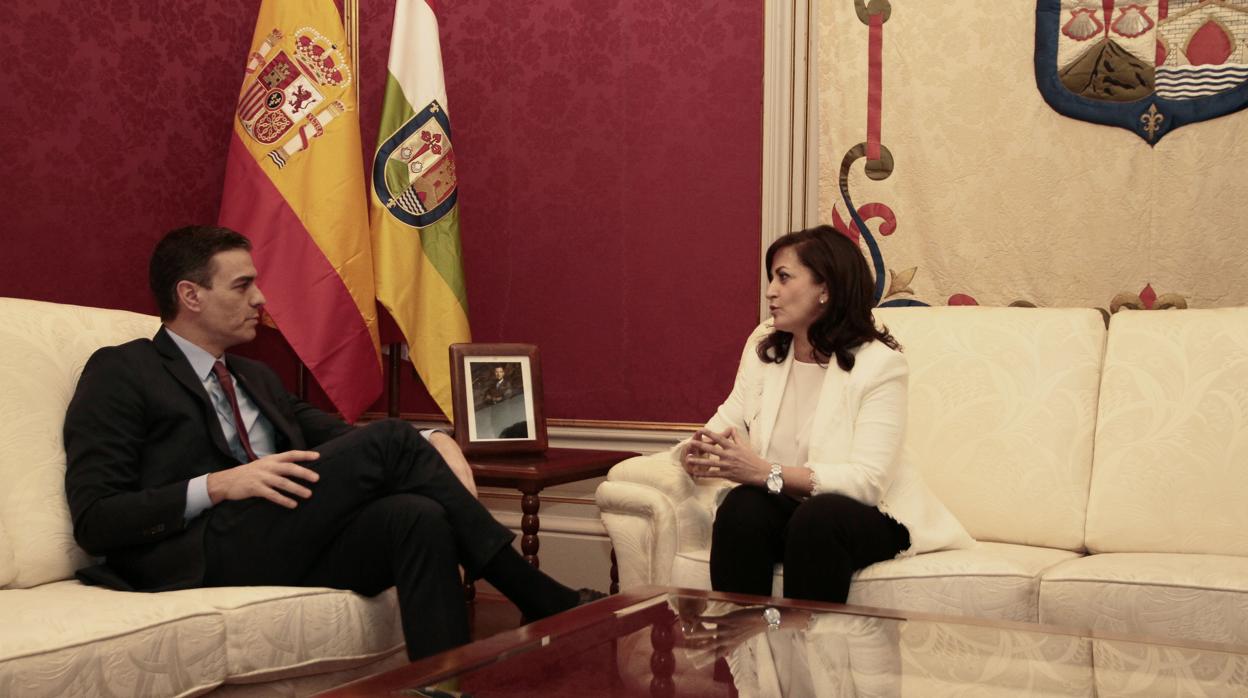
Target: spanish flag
(415,221)
(294,185)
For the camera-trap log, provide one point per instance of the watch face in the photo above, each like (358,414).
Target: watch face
(774,484)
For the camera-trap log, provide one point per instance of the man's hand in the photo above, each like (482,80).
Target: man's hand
(725,455)
(266,477)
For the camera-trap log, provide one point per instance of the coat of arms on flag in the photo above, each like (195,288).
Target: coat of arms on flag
(1149,66)
(414,169)
(294,85)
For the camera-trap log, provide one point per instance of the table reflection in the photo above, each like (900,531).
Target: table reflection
(707,647)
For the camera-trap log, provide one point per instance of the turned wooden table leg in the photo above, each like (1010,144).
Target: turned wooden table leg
(662,660)
(529,525)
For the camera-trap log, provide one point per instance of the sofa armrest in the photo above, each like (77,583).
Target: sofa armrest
(652,509)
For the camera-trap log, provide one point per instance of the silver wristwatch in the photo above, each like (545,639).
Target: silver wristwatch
(775,480)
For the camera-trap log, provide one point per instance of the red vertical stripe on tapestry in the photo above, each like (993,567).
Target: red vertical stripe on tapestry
(875,85)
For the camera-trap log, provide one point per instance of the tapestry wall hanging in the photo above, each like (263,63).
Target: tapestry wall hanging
(980,152)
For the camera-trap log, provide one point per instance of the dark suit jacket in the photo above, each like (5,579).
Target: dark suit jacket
(139,427)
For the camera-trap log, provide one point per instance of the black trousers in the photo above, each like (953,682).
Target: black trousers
(387,511)
(821,540)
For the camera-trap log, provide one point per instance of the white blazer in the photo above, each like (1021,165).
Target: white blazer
(856,436)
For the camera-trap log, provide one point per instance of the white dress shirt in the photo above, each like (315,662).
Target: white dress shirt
(260,430)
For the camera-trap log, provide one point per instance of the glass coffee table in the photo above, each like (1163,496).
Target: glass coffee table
(653,641)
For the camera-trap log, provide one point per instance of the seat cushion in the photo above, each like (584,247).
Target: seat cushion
(67,639)
(1195,597)
(43,347)
(1172,435)
(1002,414)
(282,632)
(990,580)
(312,685)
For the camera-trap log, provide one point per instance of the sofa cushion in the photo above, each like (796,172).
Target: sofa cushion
(67,639)
(313,684)
(1195,597)
(43,347)
(8,568)
(1001,416)
(990,580)
(1172,435)
(282,632)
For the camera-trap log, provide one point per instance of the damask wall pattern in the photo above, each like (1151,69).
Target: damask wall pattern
(610,173)
(981,193)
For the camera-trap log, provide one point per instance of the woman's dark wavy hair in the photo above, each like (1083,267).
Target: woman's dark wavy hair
(846,322)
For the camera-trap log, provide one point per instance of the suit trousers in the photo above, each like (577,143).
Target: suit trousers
(822,541)
(387,511)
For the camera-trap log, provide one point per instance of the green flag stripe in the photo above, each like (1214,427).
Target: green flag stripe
(395,109)
(441,244)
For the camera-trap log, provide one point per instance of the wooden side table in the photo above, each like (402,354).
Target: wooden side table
(532,472)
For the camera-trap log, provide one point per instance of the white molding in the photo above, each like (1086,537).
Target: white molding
(790,148)
(567,525)
(608,438)
(616,439)
(810,122)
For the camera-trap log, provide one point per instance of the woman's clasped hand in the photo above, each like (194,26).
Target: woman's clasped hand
(726,455)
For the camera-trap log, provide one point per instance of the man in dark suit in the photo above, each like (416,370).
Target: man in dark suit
(189,467)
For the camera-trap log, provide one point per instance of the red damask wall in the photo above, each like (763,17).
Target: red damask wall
(609,159)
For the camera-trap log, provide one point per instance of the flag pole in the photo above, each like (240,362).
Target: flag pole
(351,22)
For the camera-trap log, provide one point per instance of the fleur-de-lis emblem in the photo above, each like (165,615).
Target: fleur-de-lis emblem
(1152,121)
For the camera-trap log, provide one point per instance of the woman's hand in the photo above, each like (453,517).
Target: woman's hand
(725,455)
(725,633)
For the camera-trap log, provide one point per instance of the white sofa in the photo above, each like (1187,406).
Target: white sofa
(59,637)
(1104,474)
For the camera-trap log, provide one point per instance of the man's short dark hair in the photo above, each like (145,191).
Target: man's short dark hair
(186,254)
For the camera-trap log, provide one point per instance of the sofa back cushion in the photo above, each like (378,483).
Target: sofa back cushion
(1001,417)
(43,347)
(8,567)
(1171,468)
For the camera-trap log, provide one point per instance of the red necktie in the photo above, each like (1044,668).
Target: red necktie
(227,384)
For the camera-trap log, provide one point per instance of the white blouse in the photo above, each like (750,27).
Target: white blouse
(790,441)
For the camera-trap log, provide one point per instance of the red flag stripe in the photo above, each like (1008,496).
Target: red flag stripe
(319,318)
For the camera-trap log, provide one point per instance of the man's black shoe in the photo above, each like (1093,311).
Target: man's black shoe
(586,595)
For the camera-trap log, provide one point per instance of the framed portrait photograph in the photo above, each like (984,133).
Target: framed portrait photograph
(496,395)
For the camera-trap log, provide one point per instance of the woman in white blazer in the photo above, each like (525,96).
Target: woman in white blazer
(812,433)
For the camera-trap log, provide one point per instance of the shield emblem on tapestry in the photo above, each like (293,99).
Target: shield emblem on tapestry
(1149,67)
